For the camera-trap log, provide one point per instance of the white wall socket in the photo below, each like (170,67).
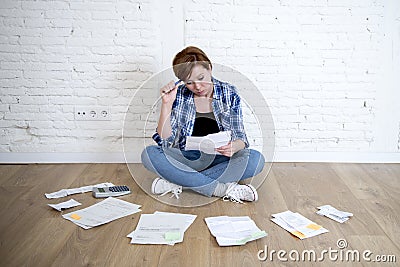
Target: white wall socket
(92,113)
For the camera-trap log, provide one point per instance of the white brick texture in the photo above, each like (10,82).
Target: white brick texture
(328,69)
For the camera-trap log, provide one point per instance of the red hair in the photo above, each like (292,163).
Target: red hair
(186,59)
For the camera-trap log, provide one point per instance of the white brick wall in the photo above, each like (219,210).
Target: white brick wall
(318,63)
(328,69)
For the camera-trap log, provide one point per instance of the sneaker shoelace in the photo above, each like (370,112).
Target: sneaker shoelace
(175,192)
(232,199)
(231,196)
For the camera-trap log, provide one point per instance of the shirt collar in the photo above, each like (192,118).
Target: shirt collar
(217,88)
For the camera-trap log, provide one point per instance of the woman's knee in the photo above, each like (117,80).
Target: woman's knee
(148,155)
(257,161)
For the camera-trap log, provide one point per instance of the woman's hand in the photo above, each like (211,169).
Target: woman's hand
(231,148)
(168,93)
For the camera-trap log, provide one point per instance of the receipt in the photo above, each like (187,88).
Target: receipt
(65,205)
(334,214)
(71,191)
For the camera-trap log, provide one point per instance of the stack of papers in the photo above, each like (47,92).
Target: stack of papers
(297,225)
(208,143)
(233,231)
(161,228)
(101,213)
(71,191)
(334,214)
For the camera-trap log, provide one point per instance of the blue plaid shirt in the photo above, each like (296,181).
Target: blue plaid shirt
(226,109)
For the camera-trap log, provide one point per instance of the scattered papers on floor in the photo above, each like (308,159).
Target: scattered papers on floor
(65,205)
(161,228)
(71,191)
(297,225)
(102,212)
(234,231)
(334,214)
(208,143)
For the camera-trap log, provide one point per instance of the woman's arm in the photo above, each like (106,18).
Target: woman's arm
(164,122)
(168,96)
(234,118)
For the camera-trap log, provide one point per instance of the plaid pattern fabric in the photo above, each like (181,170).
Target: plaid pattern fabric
(227,111)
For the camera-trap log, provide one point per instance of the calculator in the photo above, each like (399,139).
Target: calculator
(110,191)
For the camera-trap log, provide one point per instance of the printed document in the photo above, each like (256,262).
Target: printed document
(297,225)
(233,231)
(334,214)
(161,228)
(208,143)
(101,213)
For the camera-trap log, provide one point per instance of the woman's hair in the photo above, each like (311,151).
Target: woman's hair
(185,61)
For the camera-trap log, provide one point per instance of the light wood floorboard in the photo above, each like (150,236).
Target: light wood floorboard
(33,234)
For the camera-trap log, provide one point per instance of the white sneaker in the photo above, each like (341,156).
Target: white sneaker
(238,192)
(162,187)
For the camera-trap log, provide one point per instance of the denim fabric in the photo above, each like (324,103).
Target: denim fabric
(199,171)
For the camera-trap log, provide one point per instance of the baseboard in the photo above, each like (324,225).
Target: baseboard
(14,158)
(346,157)
(340,157)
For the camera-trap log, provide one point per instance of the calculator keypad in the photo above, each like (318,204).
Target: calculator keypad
(119,188)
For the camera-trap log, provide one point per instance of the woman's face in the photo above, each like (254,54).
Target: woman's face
(199,81)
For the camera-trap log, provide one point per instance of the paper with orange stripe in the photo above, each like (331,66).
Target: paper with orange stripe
(297,224)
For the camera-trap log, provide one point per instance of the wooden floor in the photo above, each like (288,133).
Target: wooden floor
(33,234)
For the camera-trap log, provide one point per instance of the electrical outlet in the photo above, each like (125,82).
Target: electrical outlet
(92,113)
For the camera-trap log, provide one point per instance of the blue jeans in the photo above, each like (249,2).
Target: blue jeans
(199,171)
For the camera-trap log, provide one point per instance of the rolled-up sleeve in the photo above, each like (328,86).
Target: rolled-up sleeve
(236,120)
(169,141)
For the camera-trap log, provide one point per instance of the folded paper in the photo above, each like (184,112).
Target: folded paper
(297,225)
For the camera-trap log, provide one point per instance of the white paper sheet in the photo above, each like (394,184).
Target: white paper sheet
(233,231)
(208,143)
(71,191)
(334,214)
(297,224)
(187,218)
(103,212)
(65,205)
(161,228)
